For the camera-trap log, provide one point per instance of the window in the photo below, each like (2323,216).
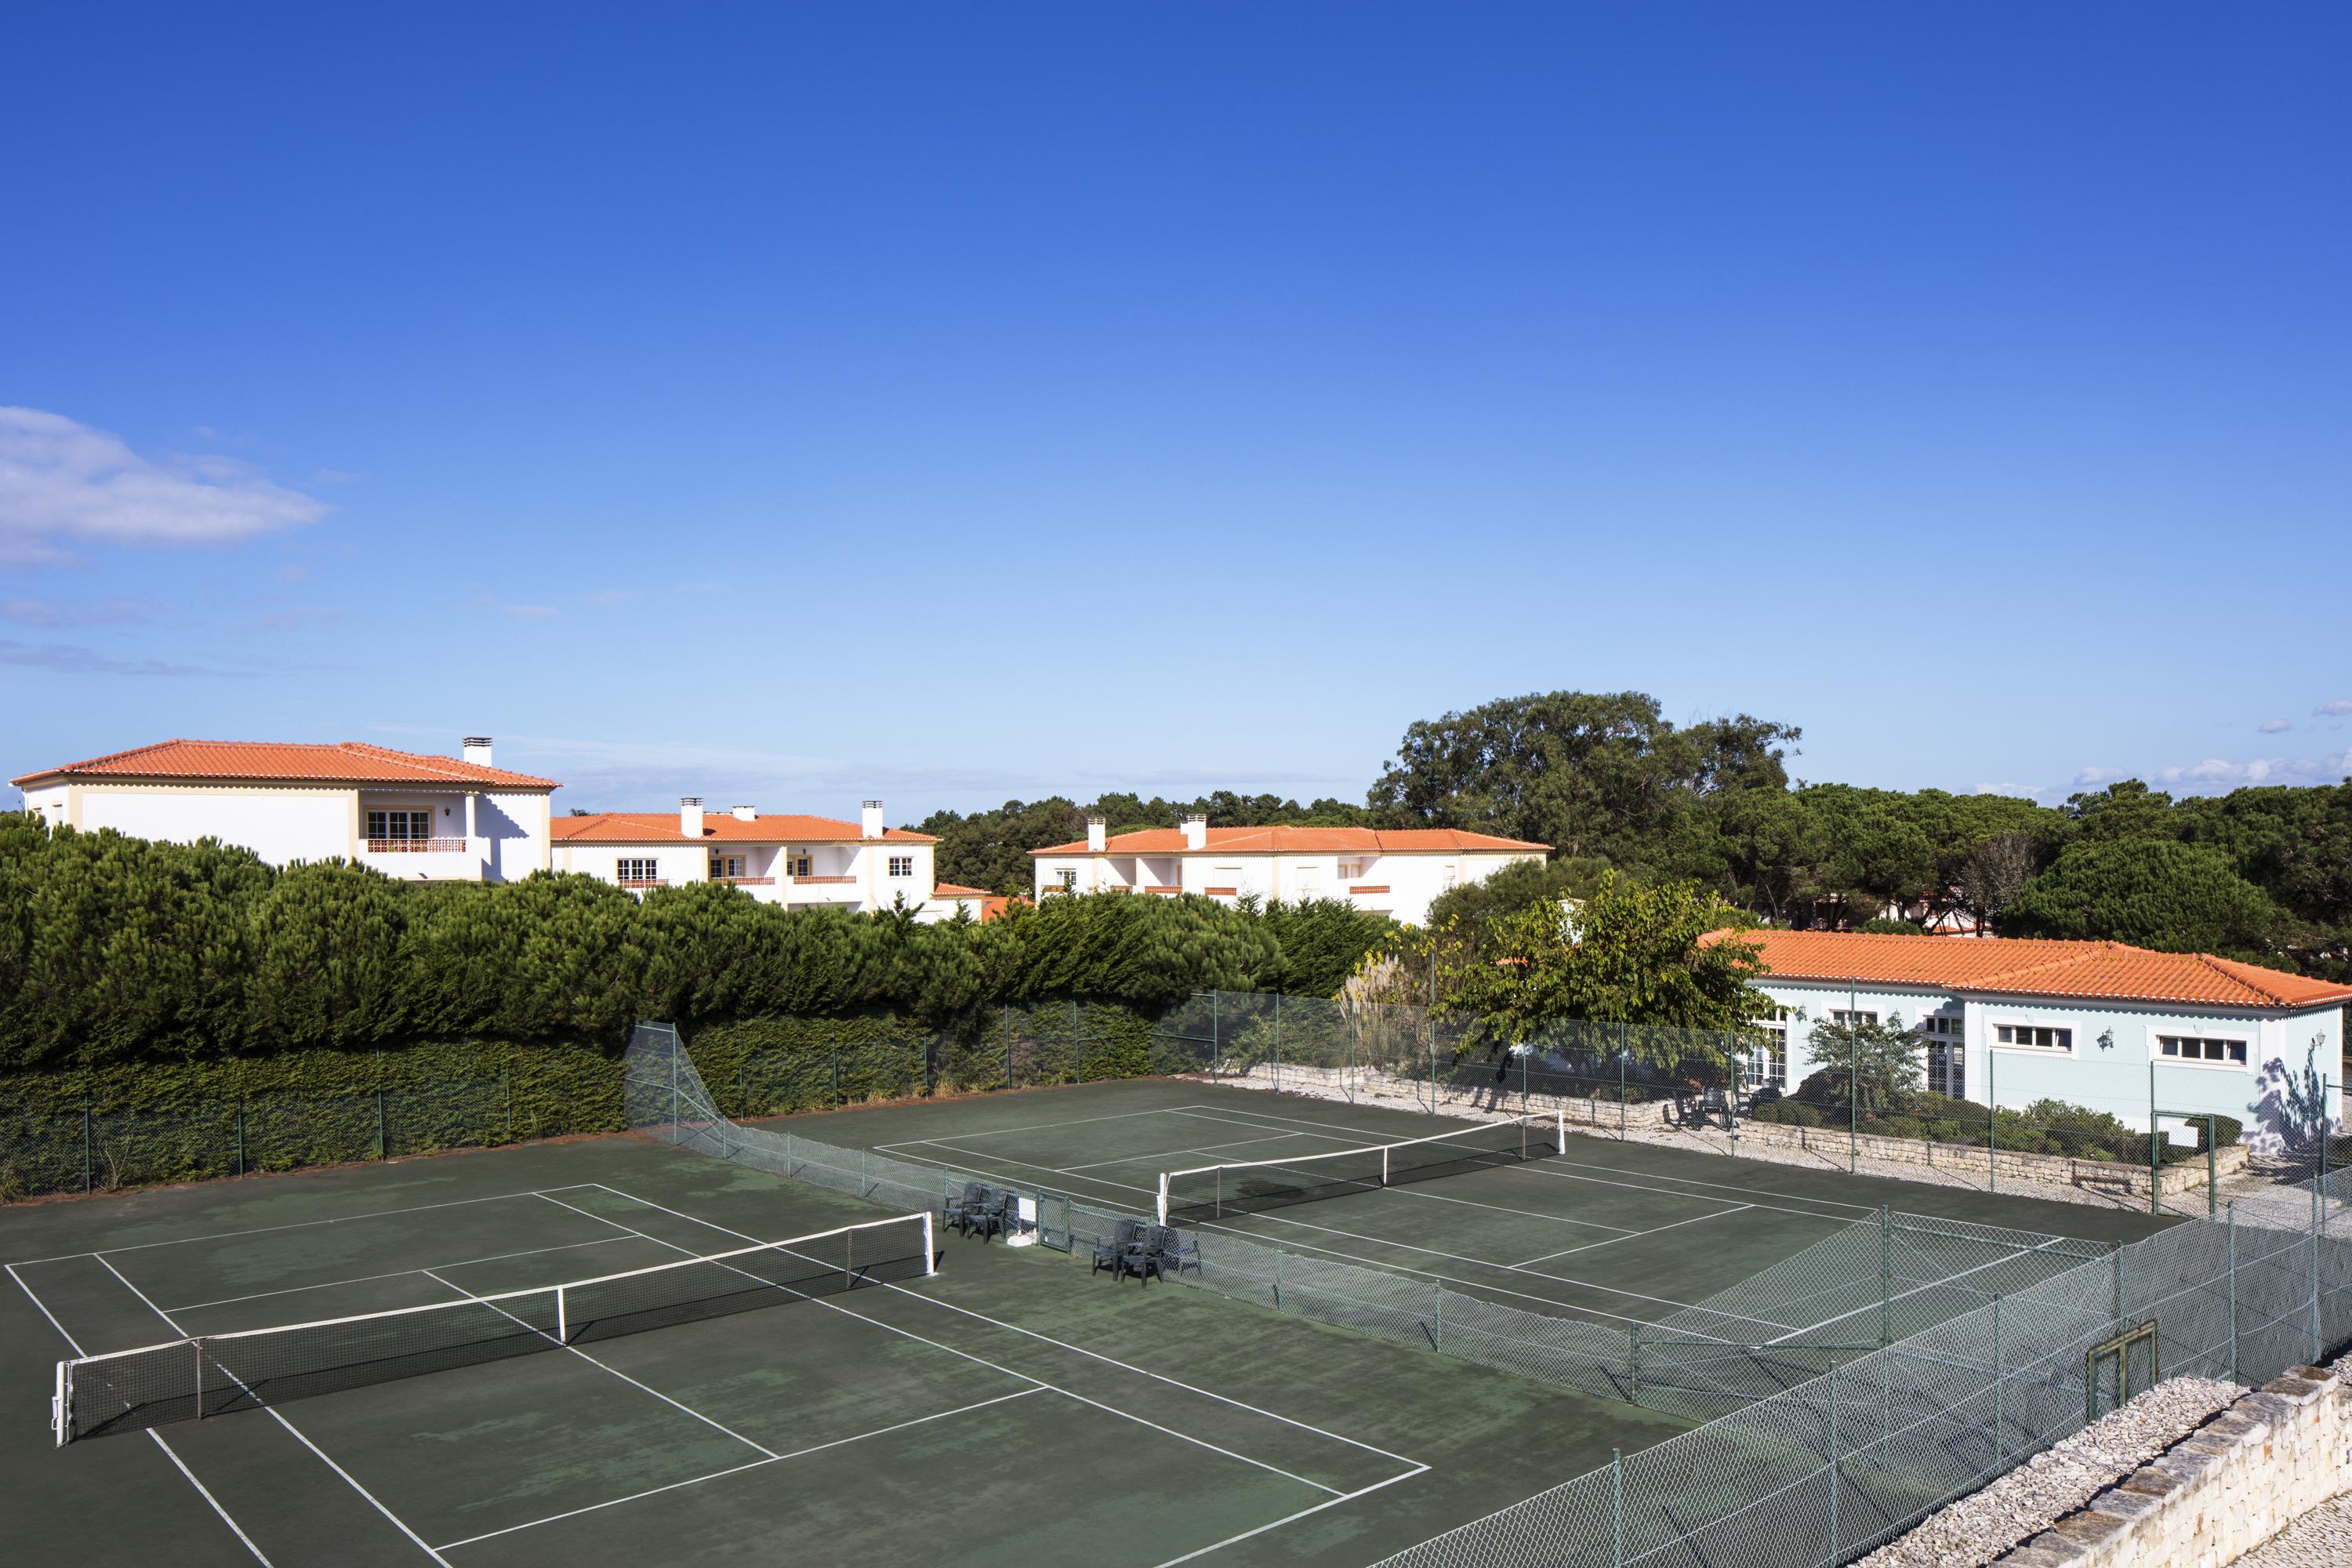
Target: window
(1945,1029)
(646,870)
(399,825)
(2195,1048)
(796,862)
(1770,1064)
(2035,1036)
(1070,879)
(725,866)
(902,864)
(1845,1019)
(1351,870)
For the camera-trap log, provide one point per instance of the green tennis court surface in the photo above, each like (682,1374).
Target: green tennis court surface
(1606,1231)
(1009,1408)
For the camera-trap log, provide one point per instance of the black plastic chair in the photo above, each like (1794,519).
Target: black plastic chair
(959,1211)
(992,1217)
(1110,1250)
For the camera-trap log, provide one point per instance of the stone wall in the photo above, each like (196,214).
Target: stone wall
(2219,1492)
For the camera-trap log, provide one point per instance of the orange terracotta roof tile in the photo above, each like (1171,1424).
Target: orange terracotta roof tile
(2027,966)
(347,762)
(952,891)
(718,826)
(1299,841)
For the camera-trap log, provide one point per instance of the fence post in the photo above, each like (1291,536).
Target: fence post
(2318,1337)
(1616,1508)
(85,1148)
(1885,1274)
(240,1132)
(2234,1291)
(1620,1080)
(1277,1041)
(1438,1320)
(382,1147)
(2155,1149)
(1853,1079)
(506,1080)
(2116,1285)
(1214,1042)
(1633,1356)
(1992,1127)
(2000,1440)
(1008,1045)
(1348,1083)
(1833,1555)
(1278,1276)
(1077,1051)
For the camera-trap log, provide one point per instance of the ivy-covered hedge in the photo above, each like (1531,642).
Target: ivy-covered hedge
(116,950)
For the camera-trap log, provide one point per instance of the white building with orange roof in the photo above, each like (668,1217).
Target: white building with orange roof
(2103,1025)
(409,814)
(801,862)
(1395,872)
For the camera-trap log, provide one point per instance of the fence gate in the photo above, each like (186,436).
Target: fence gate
(2126,1365)
(1054,1221)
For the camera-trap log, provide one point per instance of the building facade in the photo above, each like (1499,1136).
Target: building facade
(801,862)
(1395,873)
(409,814)
(2121,1029)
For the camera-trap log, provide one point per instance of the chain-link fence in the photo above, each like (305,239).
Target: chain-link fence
(44,1151)
(1826,1470)
(1888,1095)
(1877,1277)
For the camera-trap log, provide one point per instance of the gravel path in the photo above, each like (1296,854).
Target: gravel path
(2062,1479)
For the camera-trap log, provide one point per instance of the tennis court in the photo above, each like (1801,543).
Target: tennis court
(1609,1232)
(842,1405)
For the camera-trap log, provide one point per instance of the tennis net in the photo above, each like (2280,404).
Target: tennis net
(1213,1192)
(212,1374)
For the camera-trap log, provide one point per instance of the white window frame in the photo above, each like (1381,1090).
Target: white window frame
(725,866)
(648,869)
(1845,1018)
(1354,870)
(902,866)
(1067,875)
(2069,1050)
(797,863)
(381,818)
(2225,1063)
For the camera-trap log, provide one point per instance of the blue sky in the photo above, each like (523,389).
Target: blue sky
(955,402)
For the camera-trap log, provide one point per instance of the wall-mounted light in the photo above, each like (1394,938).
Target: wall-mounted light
(2106,1040)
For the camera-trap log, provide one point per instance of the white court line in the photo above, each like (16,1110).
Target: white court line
(1033,1127)
(1043,1339)
(1202,1149)
(625,1377)
(301,1225)
(1653,1230)
(397,1273)
(739,1469)
(202,1491)
(397,1523)
(1302,1513)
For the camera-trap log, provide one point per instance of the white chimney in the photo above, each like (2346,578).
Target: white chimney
(1096,832)
(689,816)
(1196,830)
(745,813)
(869,818)
(476,749)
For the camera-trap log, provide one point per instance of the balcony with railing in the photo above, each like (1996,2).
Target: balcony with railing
(424,859)
(416,846)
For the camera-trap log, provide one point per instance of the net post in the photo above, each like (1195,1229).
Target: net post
(930,1248)
(61,1405)
(1159,1204)
(562,1316)
(197,1355)
(1560,1129)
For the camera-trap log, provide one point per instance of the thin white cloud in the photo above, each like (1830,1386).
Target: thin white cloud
(2091,778)
(2026,790)
(2339,709)
(2274,727)
(54,612)
(2216,776)
(63,483)
(66,660)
